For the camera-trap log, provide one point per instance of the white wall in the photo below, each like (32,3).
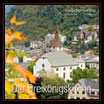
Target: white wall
(48,68)
(83,65)
(26,59)
(38,66)
(66,71)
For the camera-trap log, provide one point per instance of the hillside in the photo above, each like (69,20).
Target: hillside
(42,19)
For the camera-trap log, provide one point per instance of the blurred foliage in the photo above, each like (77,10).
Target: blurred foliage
(15,72)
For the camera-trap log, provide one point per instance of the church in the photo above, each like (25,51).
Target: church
(57,61)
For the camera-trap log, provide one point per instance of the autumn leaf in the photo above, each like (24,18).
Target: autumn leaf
(13,19)
(31,77)
(8,39)
(23,96)
(8,87)
(18,37)
(10,59)
(19,23)
(20,69)
(17,81)
(23,38)
(9,32)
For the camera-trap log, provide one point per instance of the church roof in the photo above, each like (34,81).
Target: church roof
(60,59)
(79,60)
(56,42)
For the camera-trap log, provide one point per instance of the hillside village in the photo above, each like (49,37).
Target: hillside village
(53,55)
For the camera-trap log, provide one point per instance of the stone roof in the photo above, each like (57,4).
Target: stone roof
(93,83)
(60,59)
(77,34)
(90,33)
(79,60)
(56,42)
(91,60)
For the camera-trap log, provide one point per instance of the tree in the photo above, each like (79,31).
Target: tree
(54,81)
(82,48)
(27,43)
(92,44)
(90,28)
(29,68)
(83,73)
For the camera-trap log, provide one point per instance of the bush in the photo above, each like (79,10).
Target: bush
(45,81)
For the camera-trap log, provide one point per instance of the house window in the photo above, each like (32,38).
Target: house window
(83,98)
(57,69)
(43,65)
(71,67)
(92,93)
(60,47)
(64,68)
(81,65)
(97,93)
(72,91)
(77,92)
(83,92)
(63,75)
(72,97)
(78,97)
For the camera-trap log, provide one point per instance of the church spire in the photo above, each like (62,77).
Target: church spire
(56,42)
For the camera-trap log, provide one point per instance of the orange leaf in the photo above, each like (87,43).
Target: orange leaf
(20,69)
(8,39)
(23,38)
(17,81)
(9,32)
(19,23)
(8,87)
(31,77)
(9,59)
(17,36)
(13,19)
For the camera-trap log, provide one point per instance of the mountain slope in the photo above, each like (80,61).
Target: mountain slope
(42,19)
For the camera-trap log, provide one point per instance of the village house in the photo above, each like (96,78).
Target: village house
(84,27)
(84,89)
(93,63)
(91,36)
(88,37)
(78,35)
(36,44)
(49,38)
(28,59)
(58,61)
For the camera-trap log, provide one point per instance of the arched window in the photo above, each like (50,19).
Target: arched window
(43,65)
(64,68)
(71,67)
(57,69)
(60,47)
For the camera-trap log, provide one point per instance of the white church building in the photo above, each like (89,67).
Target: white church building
(58,61)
